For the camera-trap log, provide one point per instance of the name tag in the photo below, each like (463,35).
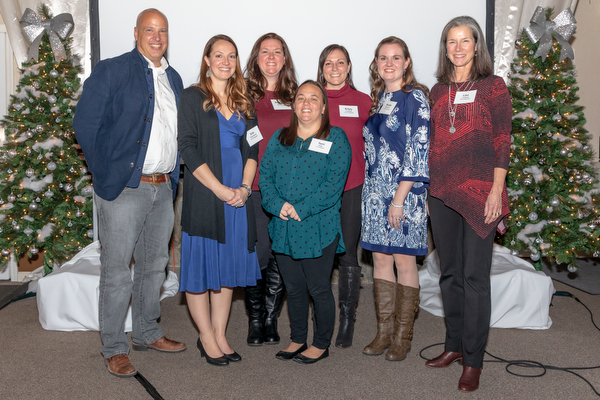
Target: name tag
(387,107)
(277,105)
(253,136)
(320,146)
(465,97)
(349,111)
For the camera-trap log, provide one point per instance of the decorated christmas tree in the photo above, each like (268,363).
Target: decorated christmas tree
(554,211)
(45,189)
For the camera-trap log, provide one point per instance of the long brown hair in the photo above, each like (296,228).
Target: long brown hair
(237,96)
(323,57)
(286,81)
(482,62)
(409,82)
(288,135)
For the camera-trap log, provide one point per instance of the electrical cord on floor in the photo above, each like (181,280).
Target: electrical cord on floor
(534,364)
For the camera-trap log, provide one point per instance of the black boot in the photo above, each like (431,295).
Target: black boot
(253,296)
(349,289)
(273,301)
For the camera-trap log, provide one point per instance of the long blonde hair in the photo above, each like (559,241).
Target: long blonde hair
(237,95)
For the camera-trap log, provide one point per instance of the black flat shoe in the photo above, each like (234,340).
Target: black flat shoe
(299,358)
(233,357)
(288,355)
(219,361)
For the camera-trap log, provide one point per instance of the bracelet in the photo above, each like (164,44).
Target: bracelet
(395,206)
(248,189)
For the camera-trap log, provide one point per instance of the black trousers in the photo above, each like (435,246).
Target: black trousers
(465,263)
(305,279)
(350,216)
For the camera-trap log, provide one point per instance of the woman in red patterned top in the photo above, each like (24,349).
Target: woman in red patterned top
(468,162)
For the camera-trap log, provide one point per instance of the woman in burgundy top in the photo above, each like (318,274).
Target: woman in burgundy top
(349,110)
(271,81)
(470,150)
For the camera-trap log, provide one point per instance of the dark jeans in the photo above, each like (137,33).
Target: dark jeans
(350,216)
(305,279)
(465,263)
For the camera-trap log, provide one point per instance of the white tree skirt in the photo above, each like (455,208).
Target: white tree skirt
(67,299)
(521,295)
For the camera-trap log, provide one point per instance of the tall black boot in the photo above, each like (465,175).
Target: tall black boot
(349,290)
(273,301)
(255,306)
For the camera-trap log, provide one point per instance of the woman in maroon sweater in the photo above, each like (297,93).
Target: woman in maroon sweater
(348,109)
(271,81)
(470,151)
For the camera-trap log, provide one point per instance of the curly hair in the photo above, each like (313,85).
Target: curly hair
(286,82)
(237,95)
(409,82)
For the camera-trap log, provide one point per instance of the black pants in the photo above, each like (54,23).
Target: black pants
(465,263)
(305,279)
(350,216)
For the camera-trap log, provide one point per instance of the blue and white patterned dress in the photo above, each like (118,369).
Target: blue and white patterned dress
(396,149)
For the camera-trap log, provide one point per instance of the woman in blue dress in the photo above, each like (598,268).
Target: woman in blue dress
(216,135)
(394,211)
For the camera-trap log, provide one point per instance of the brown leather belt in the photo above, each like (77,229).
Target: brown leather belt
(155,179)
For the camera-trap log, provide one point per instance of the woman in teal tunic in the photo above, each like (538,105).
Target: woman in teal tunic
(302,176)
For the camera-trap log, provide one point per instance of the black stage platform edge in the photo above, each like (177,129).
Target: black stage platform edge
(11,291)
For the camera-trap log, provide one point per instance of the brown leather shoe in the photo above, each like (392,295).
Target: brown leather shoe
(444,360)
(469,381)
(120,365)
(163,344)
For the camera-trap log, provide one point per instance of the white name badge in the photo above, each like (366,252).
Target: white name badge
(253,136)
(465,97)
(349,111)
(320,146)
(277,105)
(387,107)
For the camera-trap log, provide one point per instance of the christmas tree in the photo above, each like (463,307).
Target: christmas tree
(45,189)
(550,181)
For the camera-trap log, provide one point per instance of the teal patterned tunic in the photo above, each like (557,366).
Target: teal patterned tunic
(396,149)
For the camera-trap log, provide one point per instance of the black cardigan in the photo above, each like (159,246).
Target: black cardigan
(203,213)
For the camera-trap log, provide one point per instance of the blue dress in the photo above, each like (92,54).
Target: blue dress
(206,263)
(396,149)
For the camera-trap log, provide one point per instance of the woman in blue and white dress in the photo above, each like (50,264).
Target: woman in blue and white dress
(394,210)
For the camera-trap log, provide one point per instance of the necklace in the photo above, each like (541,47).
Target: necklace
(464,87)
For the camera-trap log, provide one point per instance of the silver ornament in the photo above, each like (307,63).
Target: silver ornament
(54,73)
(29,134)
(51,166)
(533,216)
(52,99)
(36,84)
(71,170)
(90,233)
(11,198)
(550,169)
(542,160)
(512,242)
(585,176)
(34,250)
(555,202)
(18,106)
(68,187)
(39,128)
(48,193)
(78,213)
(70,224)
(514,253)
(557,222)
(33,206)
(28,231)
(11,153)
(534,257)
(518,224)
(528,181)
(57,120)
(555,67)
(68,111)
(5,252)
(564,151)
(549,209)
(572,268)
(596,254)
(556,117)
(586,148)
(538,100)
(539,240)
(30,172)
(592,226)
(84,170)
(530,90)
(539,77)
(17,227)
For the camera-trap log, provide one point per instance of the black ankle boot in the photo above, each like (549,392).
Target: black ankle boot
(253,296)
(273,301)
(349,289)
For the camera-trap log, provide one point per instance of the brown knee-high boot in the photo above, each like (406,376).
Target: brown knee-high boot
(407,305)
(385,293)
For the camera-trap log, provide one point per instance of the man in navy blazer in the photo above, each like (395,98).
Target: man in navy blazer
(126,124)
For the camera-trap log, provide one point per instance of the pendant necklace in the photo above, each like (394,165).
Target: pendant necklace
(464,87)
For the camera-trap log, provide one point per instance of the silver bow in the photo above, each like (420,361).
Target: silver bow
(57,28)
(563,26)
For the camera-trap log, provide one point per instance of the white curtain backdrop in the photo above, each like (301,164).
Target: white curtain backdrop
(511,16)
(12,11)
